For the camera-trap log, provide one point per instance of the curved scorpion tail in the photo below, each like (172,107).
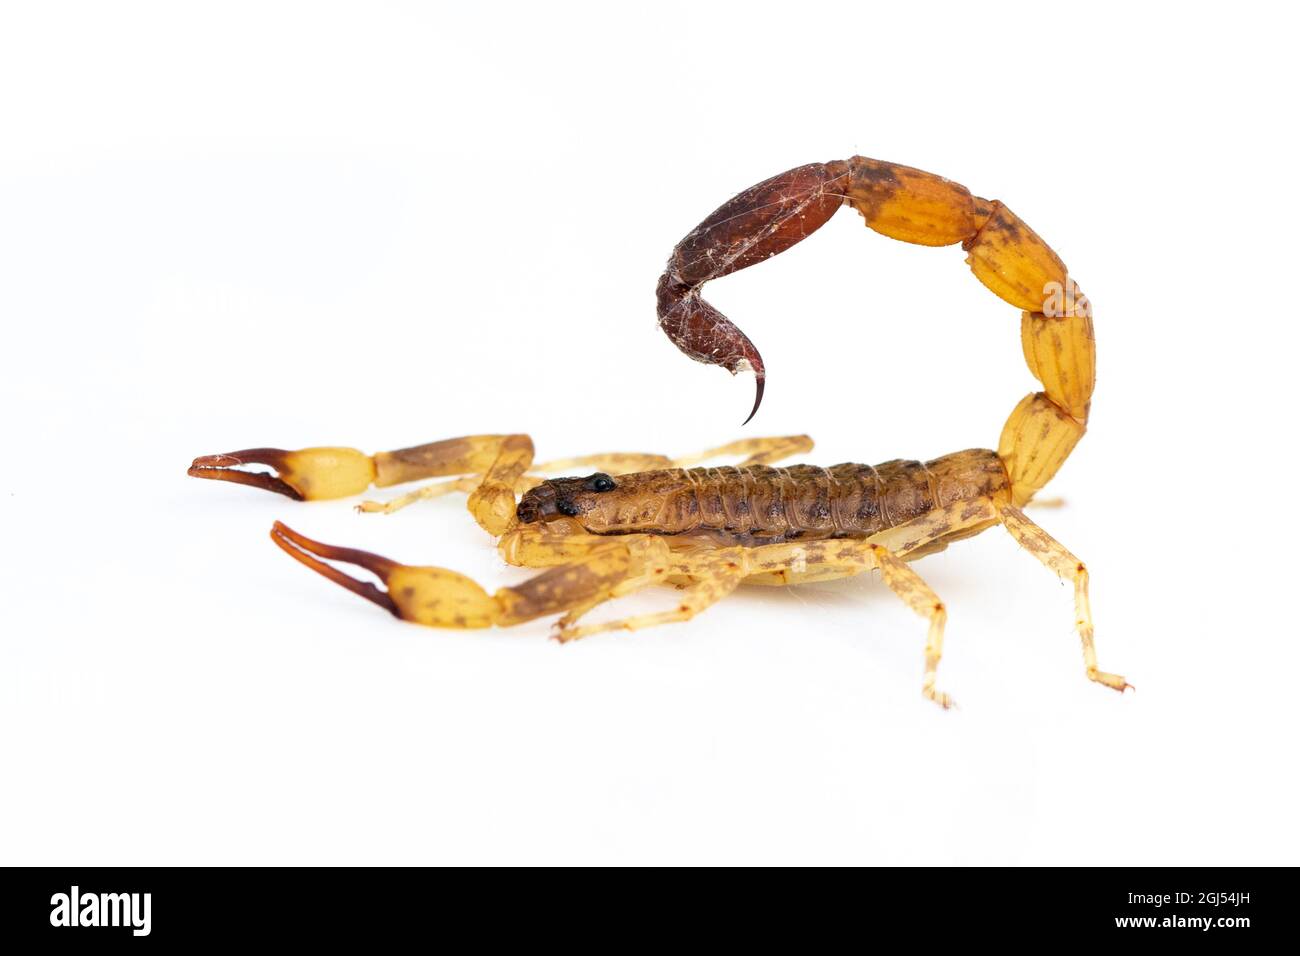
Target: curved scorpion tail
(918,207)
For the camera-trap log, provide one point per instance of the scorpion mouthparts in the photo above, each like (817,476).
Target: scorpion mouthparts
(225,468)
(306,551)
(758,398)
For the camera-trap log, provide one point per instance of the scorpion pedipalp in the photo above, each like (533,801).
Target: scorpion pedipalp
(227,468)
(310,474)
(306,551)
(438,597)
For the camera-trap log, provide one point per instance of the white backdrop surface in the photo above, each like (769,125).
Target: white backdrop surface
(381,224)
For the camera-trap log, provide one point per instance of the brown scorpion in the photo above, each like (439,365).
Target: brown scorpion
(644,519)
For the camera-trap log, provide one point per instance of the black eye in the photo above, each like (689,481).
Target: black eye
(600,483)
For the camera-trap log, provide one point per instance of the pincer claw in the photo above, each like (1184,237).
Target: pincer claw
(308,552)
(310,474)
(226,468)
(432,596)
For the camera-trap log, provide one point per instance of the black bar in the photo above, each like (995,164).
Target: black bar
(953,906)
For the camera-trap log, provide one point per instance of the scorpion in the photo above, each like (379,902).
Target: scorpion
(643,519)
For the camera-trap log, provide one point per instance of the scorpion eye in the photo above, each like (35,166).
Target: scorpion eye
(600,483)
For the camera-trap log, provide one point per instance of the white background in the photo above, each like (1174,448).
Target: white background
(233,225)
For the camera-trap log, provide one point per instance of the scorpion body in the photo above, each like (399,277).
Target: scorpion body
(760,504)
(643,519)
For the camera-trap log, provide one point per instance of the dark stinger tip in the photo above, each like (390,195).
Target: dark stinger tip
(758,399)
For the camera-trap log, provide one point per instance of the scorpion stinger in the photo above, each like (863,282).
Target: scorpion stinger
(708,336)
(897,201)
(761,222)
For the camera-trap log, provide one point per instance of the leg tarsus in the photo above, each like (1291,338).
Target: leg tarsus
(933,652)
(1053,555)
(1113,681)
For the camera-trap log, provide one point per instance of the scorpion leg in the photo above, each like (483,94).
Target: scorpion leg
(612,463)
(500,460)
(1054,556)
(805,562)
(466,484)
(916,594)
(757,450)
(713,576)
(437,597)
(549,544)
